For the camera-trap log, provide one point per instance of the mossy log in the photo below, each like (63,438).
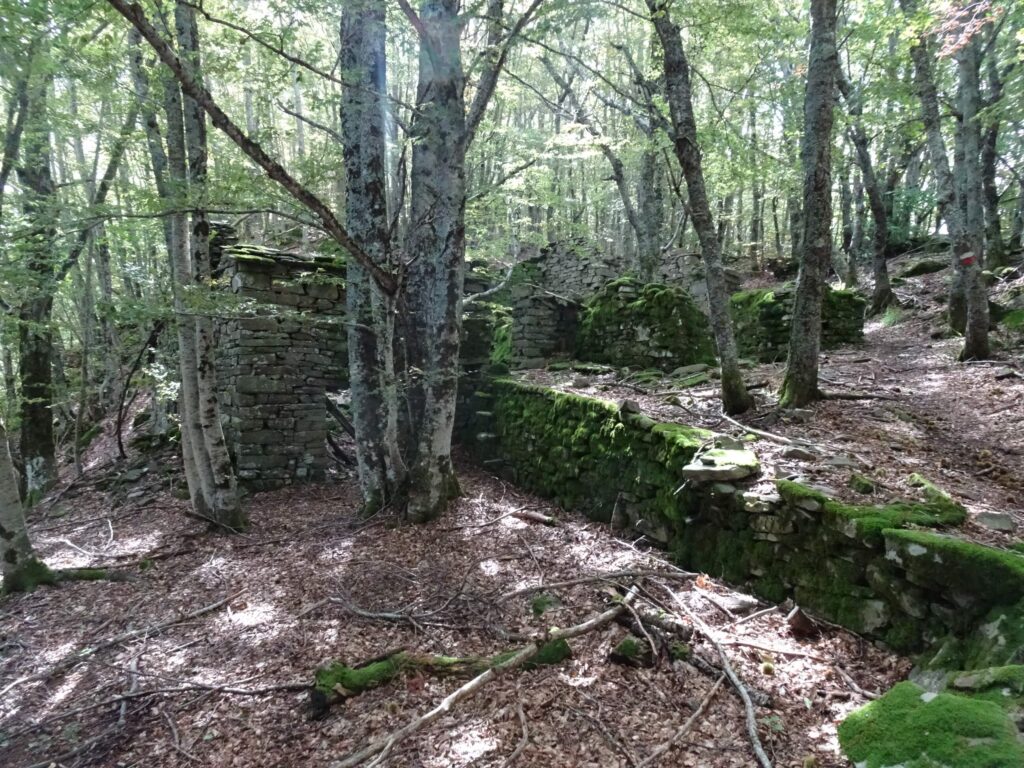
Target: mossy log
(35,573)
(338,681)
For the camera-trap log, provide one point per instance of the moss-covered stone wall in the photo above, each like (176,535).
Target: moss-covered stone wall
(885,571)
(762,318)
(645,325)
(892,572)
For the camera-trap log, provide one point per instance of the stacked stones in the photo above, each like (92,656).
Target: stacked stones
(762,318)
(629,323)
(884,571)
(274,369)
(686,269)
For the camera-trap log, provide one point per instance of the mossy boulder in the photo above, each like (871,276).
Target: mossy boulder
(970,573)
(646,325)
(914,728)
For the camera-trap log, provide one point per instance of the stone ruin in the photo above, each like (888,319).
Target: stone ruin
(276,366)
(549,292)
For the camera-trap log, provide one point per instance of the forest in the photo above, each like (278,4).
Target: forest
(512,383)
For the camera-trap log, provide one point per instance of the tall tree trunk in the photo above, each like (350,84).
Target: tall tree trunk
(968,304)
(200,479)
(651,215)
(35,334)
(225,506)
(371,314)
(995,248)
(800,385)
(436,246)
(19,566)
(976,345)
(735,398)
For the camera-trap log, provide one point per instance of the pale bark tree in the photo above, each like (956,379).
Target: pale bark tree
(435,246)
(371,313)
(968,302)
(223,501)
(800,384)
(735,398)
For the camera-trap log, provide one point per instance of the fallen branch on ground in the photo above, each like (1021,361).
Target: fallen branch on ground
(382,747)
(609,576)
(339,681)
(686,727)
(755,741)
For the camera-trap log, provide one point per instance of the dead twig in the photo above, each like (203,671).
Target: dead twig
(73,658)
(685,728)
(380,749)
(741,689)
(609,576)
(524,739)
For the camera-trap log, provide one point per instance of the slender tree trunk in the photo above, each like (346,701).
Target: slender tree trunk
(994,246)
(735,398)
(800,385)
(651,215)
(225,507)
(371,314)
(35,334)
(436,246)
(976,346)
(968,304)
(846,213)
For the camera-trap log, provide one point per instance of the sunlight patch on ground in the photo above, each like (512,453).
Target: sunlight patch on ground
(66,688)
(336,552)
(252,615)
(469,743)
(491,567)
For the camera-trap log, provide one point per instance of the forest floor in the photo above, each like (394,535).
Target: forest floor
(135,673)
(901,404)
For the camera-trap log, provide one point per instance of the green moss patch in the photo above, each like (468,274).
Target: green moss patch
(30,574)
(646,325)
(924,267)
(984,576)
(914,729)
(868,522)
(1014,320)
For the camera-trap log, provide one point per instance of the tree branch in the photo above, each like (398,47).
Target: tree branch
(134,14)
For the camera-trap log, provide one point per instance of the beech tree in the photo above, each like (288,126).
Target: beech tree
(800,385)
(677,84)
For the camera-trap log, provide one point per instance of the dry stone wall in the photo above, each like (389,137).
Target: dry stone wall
(274,368)
(552,295)
(888,572)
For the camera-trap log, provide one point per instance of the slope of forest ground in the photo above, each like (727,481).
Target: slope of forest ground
(900,404)
(239,672)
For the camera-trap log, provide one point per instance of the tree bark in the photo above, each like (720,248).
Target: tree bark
(735,398)
(35,334)
(976,345)
(371,313)
(225,507)
(19,566)
(436,247)
(968,304)
(800,385)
